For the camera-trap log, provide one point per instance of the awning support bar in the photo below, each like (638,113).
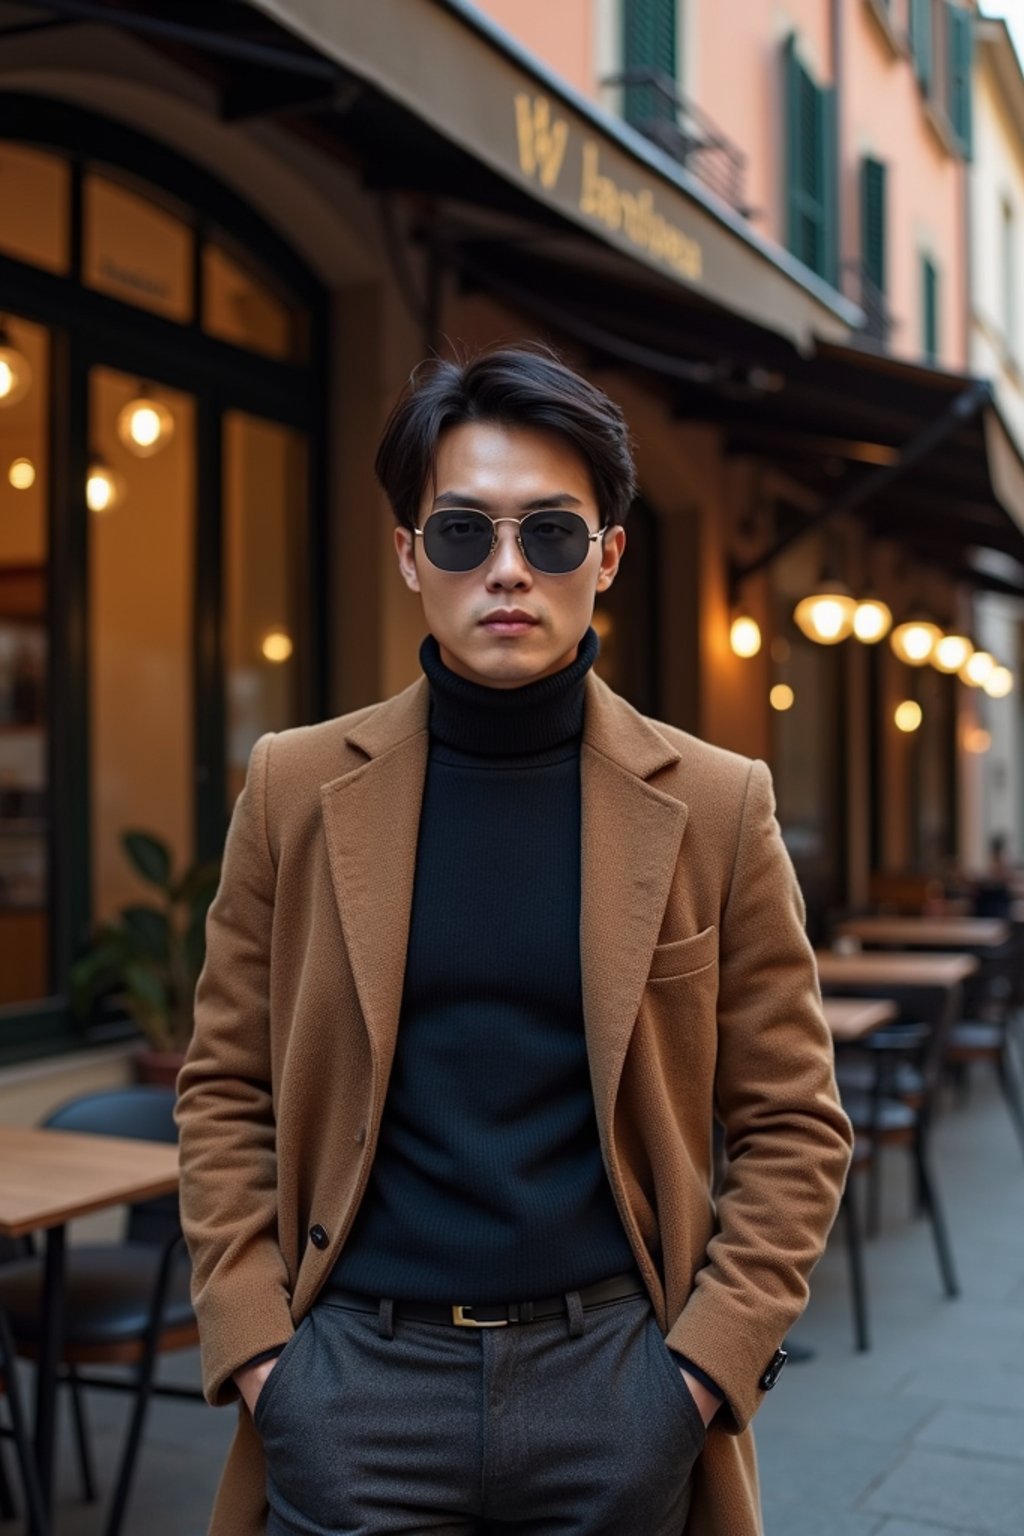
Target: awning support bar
(960,410)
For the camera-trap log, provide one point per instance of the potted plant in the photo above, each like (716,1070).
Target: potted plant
(148,960)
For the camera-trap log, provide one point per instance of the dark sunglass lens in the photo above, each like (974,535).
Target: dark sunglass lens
(457,540)
(555,542)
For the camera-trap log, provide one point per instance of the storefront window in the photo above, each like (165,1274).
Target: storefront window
(35,199)
(240,307)
(141,542)
(24,733)
(265,565)
(135,250)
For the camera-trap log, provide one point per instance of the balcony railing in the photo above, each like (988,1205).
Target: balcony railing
(653,104)
(859,286)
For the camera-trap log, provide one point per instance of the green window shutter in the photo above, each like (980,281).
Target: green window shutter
(648,42)
(930,301)
(922,43)
(961,69)
(810,167)
(872,220)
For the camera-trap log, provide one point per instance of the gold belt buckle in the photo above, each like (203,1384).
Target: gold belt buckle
(460,1320)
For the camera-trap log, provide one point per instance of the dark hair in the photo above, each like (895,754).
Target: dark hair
(514,387)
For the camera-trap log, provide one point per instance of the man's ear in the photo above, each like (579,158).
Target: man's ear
(405,548)
(613,547)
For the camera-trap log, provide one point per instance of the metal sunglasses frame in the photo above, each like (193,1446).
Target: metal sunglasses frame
(520,523)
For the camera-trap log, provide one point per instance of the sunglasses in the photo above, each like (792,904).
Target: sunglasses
(460,539)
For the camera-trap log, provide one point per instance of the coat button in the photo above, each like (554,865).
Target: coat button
(318,1237)
(773,1371)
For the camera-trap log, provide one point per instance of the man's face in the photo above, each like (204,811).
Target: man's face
(505,624)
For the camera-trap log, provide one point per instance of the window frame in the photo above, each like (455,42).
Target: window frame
(88,328)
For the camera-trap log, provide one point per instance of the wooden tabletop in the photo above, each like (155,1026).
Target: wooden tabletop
(48,1177)
(850,1018)
(891,968)
(933,932)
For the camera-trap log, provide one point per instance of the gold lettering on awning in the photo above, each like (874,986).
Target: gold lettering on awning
(542,142)
(635,215)
(546,143)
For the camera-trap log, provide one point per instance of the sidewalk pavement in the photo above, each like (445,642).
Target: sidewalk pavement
(922,1436)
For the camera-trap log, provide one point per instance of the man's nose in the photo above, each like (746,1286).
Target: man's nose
(507,566)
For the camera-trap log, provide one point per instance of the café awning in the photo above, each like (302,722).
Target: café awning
(431,97)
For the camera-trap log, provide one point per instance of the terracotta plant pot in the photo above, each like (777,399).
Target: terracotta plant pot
(160,1068)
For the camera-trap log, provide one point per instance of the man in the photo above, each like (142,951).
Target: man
(486,963)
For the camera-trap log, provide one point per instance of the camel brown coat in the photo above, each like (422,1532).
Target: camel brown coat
(700,999)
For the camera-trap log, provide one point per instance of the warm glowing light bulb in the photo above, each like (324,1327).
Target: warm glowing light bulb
(145,426)
(872,620)
(951,652)
(826,617)
(977,669)
(745,636)
(15,374)
(22,474)
(907,715)
(781,697)
(915,641)
(998,683)
(277,645)
(104,490)
(978,740)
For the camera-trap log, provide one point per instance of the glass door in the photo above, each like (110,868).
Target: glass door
(25,807)
(141,499)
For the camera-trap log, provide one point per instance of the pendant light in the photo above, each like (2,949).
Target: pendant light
(826,616)
(145,425)
(977,669)
(104,488)
(951,653)
(745,635)
(914,641)
(872,620)
(15,370)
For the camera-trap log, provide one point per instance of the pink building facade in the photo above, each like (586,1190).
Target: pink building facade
(879,83)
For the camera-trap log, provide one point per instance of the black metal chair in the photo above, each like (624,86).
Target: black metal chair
(17,1430)
(125,1302)
(889,1085)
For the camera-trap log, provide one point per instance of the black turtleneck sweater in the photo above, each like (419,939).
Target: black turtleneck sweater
(488,1182)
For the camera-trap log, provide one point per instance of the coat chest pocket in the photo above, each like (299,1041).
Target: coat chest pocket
(684,957)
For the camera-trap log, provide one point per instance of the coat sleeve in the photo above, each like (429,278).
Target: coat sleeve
(225,1112)
(787,1140)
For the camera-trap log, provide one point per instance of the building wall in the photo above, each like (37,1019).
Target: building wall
(997,184)
(884,114)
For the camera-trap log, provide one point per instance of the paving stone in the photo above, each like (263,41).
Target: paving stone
(963,1429)
(959,1492)
(818,1520)
(913,1528)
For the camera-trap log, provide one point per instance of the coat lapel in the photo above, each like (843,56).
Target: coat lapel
(371,821)
(631,837)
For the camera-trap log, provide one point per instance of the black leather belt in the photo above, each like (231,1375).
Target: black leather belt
(493,1314)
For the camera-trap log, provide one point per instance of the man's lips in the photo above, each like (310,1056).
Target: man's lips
(508,621)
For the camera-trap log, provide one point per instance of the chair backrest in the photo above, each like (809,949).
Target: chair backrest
(144,1114)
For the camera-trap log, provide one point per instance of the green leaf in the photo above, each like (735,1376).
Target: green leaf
(146,988)
(149,929)
(198,885)
(150,857)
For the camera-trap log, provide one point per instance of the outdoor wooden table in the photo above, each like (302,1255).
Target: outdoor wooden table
(47,1178)
(887,968)
(928,932)
(851,1018)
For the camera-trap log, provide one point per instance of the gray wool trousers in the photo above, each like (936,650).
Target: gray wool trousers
(537,1429)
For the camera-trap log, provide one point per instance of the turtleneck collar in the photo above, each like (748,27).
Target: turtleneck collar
(507,722)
